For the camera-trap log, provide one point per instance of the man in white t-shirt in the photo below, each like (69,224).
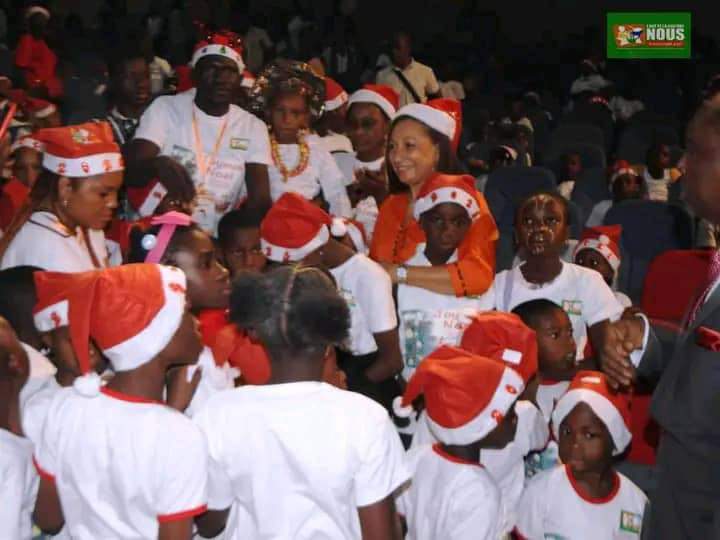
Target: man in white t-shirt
(413,81)
(224,148)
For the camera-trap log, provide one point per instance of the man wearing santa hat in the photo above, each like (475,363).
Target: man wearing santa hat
(226,149)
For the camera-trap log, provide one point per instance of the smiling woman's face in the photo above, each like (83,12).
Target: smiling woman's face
(412,153)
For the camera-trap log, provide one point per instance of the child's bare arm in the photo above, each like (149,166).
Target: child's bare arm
(378,521)
(48,512)
(389,358)
(176,530)
(212,523)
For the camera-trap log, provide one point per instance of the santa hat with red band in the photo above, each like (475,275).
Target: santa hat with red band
(504,337)
(466,396)
(147,198)
(620,168)
(605,240)
(294,227)
(248,79)
(220,43)
(335,95)
(453,107)
(39,108)
(447,188)
(591,388)
(80,151)
(381,95)
(27,141)
(130,312)
(434,118)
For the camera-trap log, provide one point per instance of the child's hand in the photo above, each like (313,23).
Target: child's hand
(372,182)
(181,384)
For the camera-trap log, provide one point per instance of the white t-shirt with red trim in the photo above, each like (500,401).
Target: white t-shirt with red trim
(18,486)
(548,394)
(367,289)
(367,211)
(298,459)
(168,123)
(321,176)
(581,292)
(506,466)
(553,507)
(429,319)
(449,498)
(122,465)
(43,241)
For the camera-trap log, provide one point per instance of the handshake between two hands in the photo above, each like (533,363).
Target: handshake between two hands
(620,339)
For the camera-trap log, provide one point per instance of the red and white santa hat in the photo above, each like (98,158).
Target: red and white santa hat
(28,141)
(447,188)
(147,198)
(434,118)
(248,79)
(621,167)
(504,337)
(222,43)
(39,108)
(605,240)
(335,95)
(294,227)
(453,107)
(356,232)
(80,151)
(381,95)
(466,396)
(130,312)
(591,387)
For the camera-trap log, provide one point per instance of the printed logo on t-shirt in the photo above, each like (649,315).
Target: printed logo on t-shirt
(425,330)
(630,522)
(572,307)
(553,536)
(237,143)
(185,157)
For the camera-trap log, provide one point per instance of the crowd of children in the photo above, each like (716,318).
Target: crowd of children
(274,313)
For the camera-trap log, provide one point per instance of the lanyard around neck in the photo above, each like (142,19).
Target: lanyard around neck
(199,154)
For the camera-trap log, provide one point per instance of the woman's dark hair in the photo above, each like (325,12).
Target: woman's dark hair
(240,218)
(290,308)
(447,163)
(18,298)
(138,253)
(284,90)
(551,195)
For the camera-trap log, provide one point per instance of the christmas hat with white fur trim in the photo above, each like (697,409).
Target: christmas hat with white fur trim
(294,227)
(221,43)
(27,141)
(591,388)
(335,95)
(447,188)
(605,240)
(436,119)
(620,168)
(80,151)
(504,337)
(466,396)
(381,95)
(130,312)
(147,198)
(453,107)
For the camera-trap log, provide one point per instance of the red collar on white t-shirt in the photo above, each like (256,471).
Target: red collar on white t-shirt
(443,454)
(594,500)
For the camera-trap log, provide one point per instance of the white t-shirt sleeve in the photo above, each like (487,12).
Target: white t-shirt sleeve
(431,86)
(599,301)
(532,424)
(182,485)
(155,123)
(376,299)
(382,469)
(13,486)
(220,494)
(531,508)
(332,183)
(259,147)
(475,513)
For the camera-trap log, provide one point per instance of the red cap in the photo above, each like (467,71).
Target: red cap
(381,95)
(222,43)
(335,95)
(605,240)
(453,107)
(447,188)
(147,198)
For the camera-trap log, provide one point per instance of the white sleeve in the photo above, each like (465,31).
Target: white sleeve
(475,512)
(636,355)
(533,425)
(599,301)
(155,124)
(182,486)
(431,85)
(220,495)
(259,146)
(12,494)
(333,184)
(376,299)
(382,469)
(530,512)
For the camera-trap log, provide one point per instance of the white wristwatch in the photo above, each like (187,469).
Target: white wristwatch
(401,273)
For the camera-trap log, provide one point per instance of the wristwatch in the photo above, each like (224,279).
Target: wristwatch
(401,273)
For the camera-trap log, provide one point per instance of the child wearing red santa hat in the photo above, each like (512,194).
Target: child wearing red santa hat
(469,402)
(599,250)
(504,337)
(294,231)
(25,165)
(585,498)
(95,479)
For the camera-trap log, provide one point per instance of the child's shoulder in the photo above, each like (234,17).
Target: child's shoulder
(630,492)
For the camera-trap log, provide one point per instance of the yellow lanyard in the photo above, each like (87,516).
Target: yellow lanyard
(199,154)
